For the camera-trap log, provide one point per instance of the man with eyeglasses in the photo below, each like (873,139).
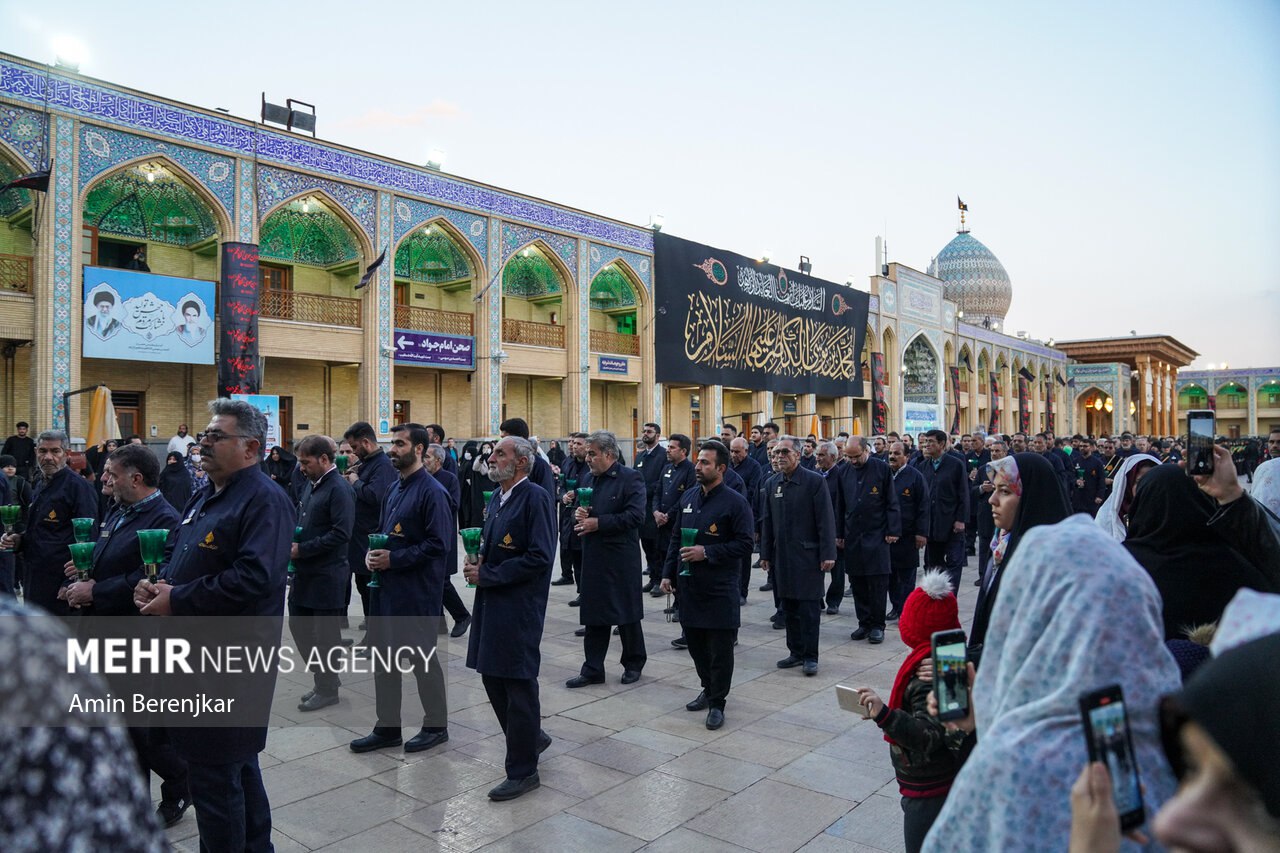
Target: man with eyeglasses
(61,495)
(799,546)
(948,505)
(228,557)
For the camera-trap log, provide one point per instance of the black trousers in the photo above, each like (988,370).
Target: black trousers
(232,809)
(571,565)
(595,645)
(515,704)
(802,619)
(428,675)
(653,556)
(869,594)
(744,576)
(835,587)
(949,554)
(317,631)
(453,602)
(901,582)
(662,543)
(712,653)
(157,755)
(918,815)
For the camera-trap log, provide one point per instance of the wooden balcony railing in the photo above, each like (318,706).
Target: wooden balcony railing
(430,320)
(15,273)
(310,308)
(532,334)
(602,341)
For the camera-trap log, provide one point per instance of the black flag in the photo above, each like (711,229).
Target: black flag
(1058,376)
(1026,374)
(373,267)
(961,204)
(968,362)
(37,180)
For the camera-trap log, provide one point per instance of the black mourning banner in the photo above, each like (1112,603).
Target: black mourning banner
(1024,405)
(955,399)
(239,368)
(1048,407)
(994,426)
(879,411)
(725,319)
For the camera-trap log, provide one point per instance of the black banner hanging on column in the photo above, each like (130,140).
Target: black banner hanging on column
(955,399)
(879,413)
(1024,412)
(994,426)
(725,319)
(239,367)
(1048,407)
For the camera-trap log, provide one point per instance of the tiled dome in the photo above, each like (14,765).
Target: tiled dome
(975,278)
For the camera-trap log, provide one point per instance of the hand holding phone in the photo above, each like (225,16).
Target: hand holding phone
(851,700)
(1200,432)
(1108,739)
(950,675)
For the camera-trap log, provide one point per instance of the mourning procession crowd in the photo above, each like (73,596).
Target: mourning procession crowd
(1100,561)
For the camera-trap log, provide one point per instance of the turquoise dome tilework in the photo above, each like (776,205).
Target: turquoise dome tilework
(975,279)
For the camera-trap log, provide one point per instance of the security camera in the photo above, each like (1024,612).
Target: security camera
(388,350)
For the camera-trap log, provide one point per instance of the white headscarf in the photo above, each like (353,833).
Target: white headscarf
(1075,613)
(1249,616)
(1108,517)
(1266,485)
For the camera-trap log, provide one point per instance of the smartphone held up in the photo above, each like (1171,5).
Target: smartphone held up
(1107,737)
(1201,429)
(950,675)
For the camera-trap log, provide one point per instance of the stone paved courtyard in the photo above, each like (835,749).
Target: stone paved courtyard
(629,768)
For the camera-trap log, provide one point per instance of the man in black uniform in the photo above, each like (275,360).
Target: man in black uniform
(709,613)
(228,557)
(1040,444)
(405,608)
(22,449)
(869,524)
(752,477)
(129,477)
(913,508)
(827,458)
(976,458)
(610,563)
(60,496)
(512,575)
(677,478)
(650,459)
(436,433)
(799,545)
(327,514)
(1089,474)
(575,468)
(948,505)
(370,481)
(433,460)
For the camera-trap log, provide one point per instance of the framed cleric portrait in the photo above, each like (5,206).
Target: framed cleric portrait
(138,316)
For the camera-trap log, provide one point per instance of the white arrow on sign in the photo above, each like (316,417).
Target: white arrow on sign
(403,343)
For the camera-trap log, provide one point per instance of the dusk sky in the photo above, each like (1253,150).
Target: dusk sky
(1121,159)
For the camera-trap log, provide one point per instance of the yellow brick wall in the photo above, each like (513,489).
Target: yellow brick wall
(432,297)
(548,414)
(172,393)
(456,412)
(676,413)
(327,404)
(171,260)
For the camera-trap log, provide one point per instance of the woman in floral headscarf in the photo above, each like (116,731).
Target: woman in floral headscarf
(1076,613)
(1027,494)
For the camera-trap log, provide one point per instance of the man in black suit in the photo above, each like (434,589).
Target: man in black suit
(710,613)
(433,460)
(677,478)
(371,478)
(609,531)
(650,459)
(512,576)
(574,469)
(948,505)
(976,457)
(753,477)
(827,459)
(327,515)
(869,523)
(799,545)
(913,508)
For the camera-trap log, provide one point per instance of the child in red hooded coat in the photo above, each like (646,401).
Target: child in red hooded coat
(923,752)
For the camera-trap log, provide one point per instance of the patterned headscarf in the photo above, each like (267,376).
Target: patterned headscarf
(1075,613)
(1108,517)
(1266,485)
(1008,466)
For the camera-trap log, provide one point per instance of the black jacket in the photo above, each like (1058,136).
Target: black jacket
(327,516)
(709,596)
(798,533)
(117,560)
(417,518)
(610,588)
(44,544)
(948,494)
(867,512)
(374,479)
(913,508)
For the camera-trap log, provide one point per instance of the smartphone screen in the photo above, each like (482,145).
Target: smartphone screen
(950,678)
(1110,743)
(1200,432)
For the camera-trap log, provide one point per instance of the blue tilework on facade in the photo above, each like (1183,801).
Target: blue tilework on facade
(102,148)
(132,111)
(246,215)
(584,337)
(516,237)
(494,295)
(277,185)
(63,247)
(411,213)
(386,316)
(24,130)
(601,256)
(975,279)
